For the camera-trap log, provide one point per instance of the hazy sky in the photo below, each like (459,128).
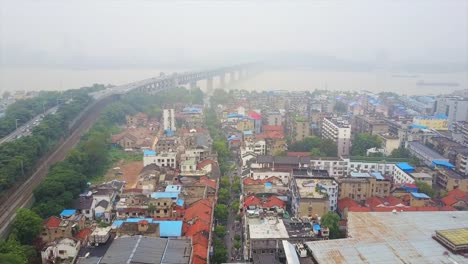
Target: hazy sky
(136,33)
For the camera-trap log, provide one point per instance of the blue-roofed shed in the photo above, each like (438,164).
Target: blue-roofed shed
(378,175)
(173,188)
(248,132)
(169,132)
(359,175)
(169,228)
(172,195)
(268,184)
(420,195)
(166,228)
(149,153)
(68,212)
(418,126)
(180,202)
(405,167)
(443,163)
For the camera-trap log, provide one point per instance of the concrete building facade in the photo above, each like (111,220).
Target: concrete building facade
(340,132)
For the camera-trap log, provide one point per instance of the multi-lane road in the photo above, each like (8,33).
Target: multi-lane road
(25,129)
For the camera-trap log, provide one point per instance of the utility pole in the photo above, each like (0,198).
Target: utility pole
(16,122)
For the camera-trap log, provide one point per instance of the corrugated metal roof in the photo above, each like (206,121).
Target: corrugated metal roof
(404,237)
(141,249)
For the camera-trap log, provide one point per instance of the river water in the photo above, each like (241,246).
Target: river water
(294,80)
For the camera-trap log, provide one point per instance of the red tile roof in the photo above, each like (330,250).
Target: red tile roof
(270,202)
(205,163)
(457,193)
(83,234)
(198,260)
(200,251)
(250,181)
(200,239)
(359,209)
(346,203)
(270,135)
(298,154)
(197,227)
(52,222)
(373,202)
(205,181)
(449,200)
(392,201)
(267,128)
(255,115)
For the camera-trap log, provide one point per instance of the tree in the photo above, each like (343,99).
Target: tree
(27,225)
(364,141)
(332,221)
(223,195)
(307,144)
(12,252)
(237,244)
(235,206)
(221,212)
(425,188)
(220,231)
(340,107)
(400,152)
(225,182)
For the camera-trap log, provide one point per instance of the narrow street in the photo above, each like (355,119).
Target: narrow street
(231,227)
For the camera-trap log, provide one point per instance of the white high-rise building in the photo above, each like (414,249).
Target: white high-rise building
(169,119)
(340,132)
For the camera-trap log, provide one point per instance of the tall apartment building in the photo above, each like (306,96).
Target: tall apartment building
(300,128)
(169,120)
(454,107)
(340,132)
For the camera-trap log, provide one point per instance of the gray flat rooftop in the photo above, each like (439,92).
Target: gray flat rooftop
(381,237)
(142,249)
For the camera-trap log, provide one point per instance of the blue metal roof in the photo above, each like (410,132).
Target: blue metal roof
(418,126)
(169,228)
(359,175)
(248,132)
(405,167)
(180,202)
(317,227)
(172,195)
(268,184)
(173,188)
(169,132)
(378,175)
(234,115)
(420,195)
(166,228)
(68,212)
(443,163)
(149,153)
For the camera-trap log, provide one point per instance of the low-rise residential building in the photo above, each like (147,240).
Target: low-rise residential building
(263,174)
(361,185)
(339,131)
(336,167)
(370,165)
(403,172)
(389,143)
(165,159)
(313,196)
(370,125)
(425,154)
(167,143)
(63,250)
(449,179)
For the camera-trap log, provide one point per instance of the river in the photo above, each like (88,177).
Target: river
(403,83)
